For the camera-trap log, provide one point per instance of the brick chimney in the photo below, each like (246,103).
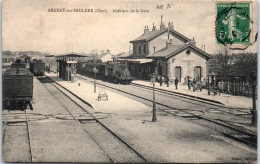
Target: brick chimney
(154,27)
(170,25)
(102,51)
(146,29)
(108,51)
(162,26)
(192,42)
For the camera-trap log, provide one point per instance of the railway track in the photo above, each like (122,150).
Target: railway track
(182,95)
(21,121)
(114,146)
(188,98)
(192,99)
(239,135)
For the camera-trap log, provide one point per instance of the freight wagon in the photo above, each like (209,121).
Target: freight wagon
(17,88)
(37,67)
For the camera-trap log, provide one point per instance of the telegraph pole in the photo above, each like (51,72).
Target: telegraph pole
(95,87)
(208,85)
(95,70)
(253,112)
(154,119)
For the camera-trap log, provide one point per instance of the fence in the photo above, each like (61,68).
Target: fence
(236,88)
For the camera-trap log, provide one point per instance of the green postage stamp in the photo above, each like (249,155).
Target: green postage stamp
(233,23)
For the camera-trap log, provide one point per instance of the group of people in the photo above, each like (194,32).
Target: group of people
(190,83)
(167,81)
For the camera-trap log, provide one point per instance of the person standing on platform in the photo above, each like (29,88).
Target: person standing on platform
(167,81)
(176,81)
(194,81)
(160,80)
(189,83)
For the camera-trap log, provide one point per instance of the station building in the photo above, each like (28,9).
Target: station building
(167,52)
(7,60)
(103,57)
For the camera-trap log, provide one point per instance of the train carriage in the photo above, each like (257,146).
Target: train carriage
(17,88)
(112,71)
(102,70)
(37,67)
(18,64)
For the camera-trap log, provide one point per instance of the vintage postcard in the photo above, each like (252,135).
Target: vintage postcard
(135,81)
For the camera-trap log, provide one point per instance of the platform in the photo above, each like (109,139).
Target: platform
(54,136)
(227,100)
(171,139)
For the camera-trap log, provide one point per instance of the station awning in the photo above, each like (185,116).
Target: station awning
(138,61)
(68,57)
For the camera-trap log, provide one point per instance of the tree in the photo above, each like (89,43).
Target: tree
(244,64)
(240,64)
(224,61)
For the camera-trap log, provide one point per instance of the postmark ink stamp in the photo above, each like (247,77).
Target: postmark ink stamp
(233,23)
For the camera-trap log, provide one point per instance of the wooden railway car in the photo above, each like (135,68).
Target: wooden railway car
(17,88)
(37,67)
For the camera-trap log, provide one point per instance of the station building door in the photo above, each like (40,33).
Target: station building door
(197,73)
(177,73)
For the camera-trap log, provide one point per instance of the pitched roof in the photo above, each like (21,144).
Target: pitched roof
(173,50)
(70,55)
(100,56)
(24,56)
(125,55)
(155,33)
(147,35)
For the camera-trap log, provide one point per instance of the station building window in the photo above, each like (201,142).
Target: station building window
(134,49)
(144,49)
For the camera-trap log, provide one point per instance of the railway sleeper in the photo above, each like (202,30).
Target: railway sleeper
(85,121)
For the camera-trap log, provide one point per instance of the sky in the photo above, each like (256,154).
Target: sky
(28,26)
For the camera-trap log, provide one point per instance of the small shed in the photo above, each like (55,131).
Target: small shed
(66,66)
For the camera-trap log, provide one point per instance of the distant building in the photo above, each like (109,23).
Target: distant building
(166,52)
(122,55)
(25,58)
(7,60)
(104,57)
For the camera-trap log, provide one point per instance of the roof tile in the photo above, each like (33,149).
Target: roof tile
(175,49)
